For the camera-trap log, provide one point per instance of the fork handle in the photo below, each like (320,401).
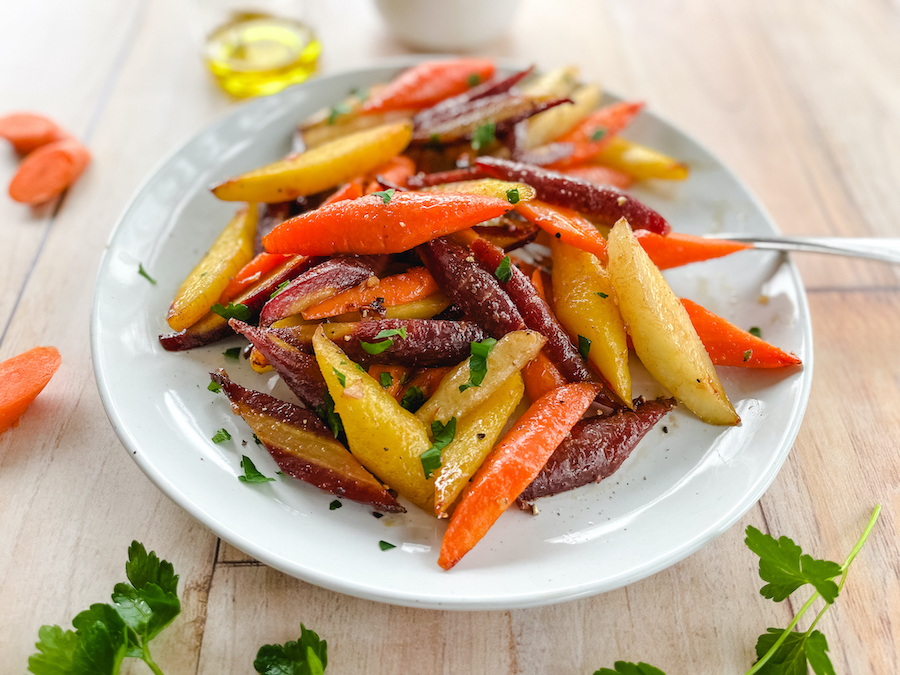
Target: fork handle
(886,250)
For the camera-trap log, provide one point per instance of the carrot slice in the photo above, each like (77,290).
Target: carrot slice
(729,345)
(428,83)
(566,225)
(409,286)
(602,175)
(675,248)
(29,131)
(49,170)
(596,130)
(541,376)
(512,465)
(250,273)
(369,225)
(22,378)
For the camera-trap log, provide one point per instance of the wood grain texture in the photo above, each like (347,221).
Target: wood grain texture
(801,99)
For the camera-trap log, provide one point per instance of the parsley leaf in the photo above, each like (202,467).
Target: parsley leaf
(144,274)
(413,399)
(512,195)
(378,347)
(233,311)
(602,295)
(56,651)
(598,134)
(336,111)
(755,332)
(385,379)
(747,355)
(443,436)
(473,79)
(251,473)
(786,570)
(483,135)
(214,386)
(386,545)
(503,271)
(385,195)
(279,288)
(336,504)
(329,416)
(792,654)
(340,376)
(584,346)
(233,353)
(628,668)
(478,362)
(221,435)
(306,656)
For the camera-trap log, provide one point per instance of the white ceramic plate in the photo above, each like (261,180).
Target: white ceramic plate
(686,483)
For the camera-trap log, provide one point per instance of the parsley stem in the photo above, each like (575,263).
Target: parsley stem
(862,540)
(145,656)
(784,635)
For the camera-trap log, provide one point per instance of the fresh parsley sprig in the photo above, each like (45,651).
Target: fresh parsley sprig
(306,656)
(785,568)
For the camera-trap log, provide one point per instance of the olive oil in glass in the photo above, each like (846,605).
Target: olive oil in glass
(259,54)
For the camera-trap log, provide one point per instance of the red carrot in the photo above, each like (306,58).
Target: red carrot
(729,345)
(566,225)
(49,170)
(512,465)
(428,83)
(398,289)
(22,378)
(28,131)
(369,225)
(675,248)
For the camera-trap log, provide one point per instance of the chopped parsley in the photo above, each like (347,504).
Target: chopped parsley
(385,379)
(336,504)
(747,355)
(221,435)
(144,274)
(443,436)
(336,111)
(340,376)
(385,545)
(503,271)
(378,347)
(385,195)
(239,312)
(256,440)
(232,353)
(602,295)
(280,288)
(598,134)
(755,332)
(473,79)
(329,416)
(584,346)
(478,362)
(251,473)
(512,195)
(483,135)
(214,387)
(413,399)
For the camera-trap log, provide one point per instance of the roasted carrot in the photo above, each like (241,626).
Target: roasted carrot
(250,273)
(351,190)
(729,345)
(29,131)
(541,376)
(428,83)
(541,282)
(391,378)
(398,289)
(425,380)
(676,248)
(395,171)
(369,225)
(602,175)
(512,465)
(22,378)
(595,131)
(49,170)
(566,225)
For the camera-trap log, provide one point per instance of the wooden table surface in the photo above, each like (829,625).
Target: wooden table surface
(801,99)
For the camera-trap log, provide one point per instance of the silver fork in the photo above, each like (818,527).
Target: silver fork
(886,250)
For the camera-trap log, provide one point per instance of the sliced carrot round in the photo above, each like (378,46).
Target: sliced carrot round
(22,378)
(49,170)
(29,131)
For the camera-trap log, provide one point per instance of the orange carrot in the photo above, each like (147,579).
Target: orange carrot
(601,175)
(512,465)
(398,375)
(428,83)
(566,225)
(675,249)
(594,132)
(541,376)
(22,378)
(395,171)
(729,345)
(28,131)
(49,170)
(398,289)
(250,273)
(426,380)
(369,225)
(351,190)
(541,282)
